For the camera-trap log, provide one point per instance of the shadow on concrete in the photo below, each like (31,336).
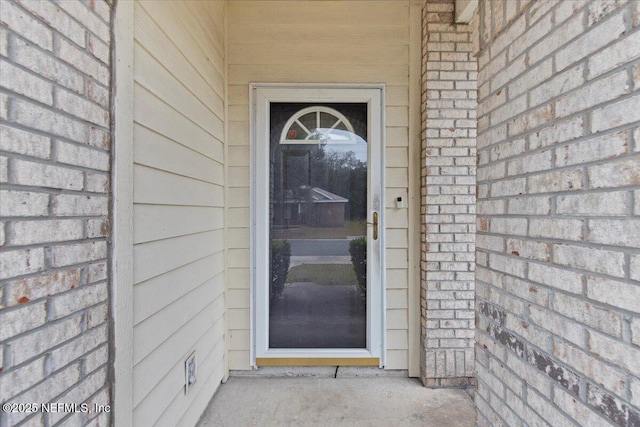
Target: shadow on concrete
(304,401)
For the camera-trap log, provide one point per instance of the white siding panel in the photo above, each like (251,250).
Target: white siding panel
(179,166)
(154,330)
(157,222)
(154,294)
(156,41)
(153,113)
(154,258)
(158,152)
(155,186)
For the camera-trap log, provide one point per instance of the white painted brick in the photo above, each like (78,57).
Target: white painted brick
(47,390)
(78,253)
(15,381)
(635,332)
(23,203)
(83,61)
(78,347)
(79,155)
(567,31)
(97,182)
(21,261)
(4,169)
(546,411)
(563,180)
(559,132)
(47,66)
(98,358)
(78,394)
(35,287)
(588,314)
(79,299)
(634,267)
(57,18)
(557,278)
(593,204)
(21,142)
(510,226)
(45,175)
(3,240)
(97,315)
(532,35)
(576,409)
(636,206)
(620,53)
(98,94)
(599,148)
(590,259)
(508,149)
(528,249)
(557,85)
(531,78)
(531,119)
(37,117)
(619,353)
(615,232)
(26,25)
(80,205)
(590,41)
(34,232)
(616,114)
(634,386)
(558,325)
(529,206)
(600,10)
(97,228)
(531,163)
(509,265)
(22,319)
(595,93)
(81,12)
(556,228)
(24,83)
(81,108)
(4,42)
(615,174)
(509,187)
(38,342)
(618,294)
(4,106)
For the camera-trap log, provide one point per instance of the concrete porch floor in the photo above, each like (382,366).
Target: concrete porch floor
(309,401)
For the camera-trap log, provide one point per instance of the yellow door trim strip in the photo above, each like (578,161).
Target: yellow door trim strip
(318,361)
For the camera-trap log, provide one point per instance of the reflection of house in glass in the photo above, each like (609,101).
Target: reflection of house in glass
(314,206)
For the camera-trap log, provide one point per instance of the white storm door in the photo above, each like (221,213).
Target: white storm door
(317,213)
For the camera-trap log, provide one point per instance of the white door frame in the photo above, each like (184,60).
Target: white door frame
(261,95)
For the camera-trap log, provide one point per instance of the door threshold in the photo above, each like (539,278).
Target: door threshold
(317,361)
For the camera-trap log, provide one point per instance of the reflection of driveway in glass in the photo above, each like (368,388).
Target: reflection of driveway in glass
(319,247)
(317,251)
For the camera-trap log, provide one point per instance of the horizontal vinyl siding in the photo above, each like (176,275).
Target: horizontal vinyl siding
(179,155)
(311,42)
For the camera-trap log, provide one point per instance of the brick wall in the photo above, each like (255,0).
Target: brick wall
(558,260)
(448,199)
(54,207)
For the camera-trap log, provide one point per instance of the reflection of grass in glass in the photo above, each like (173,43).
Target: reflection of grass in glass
(323,274)
(351,228)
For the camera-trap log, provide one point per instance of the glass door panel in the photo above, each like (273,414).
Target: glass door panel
(318,173)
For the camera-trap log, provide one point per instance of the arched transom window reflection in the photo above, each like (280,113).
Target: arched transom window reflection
(318,125)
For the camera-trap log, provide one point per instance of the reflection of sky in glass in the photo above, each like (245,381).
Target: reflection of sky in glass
(340,141)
